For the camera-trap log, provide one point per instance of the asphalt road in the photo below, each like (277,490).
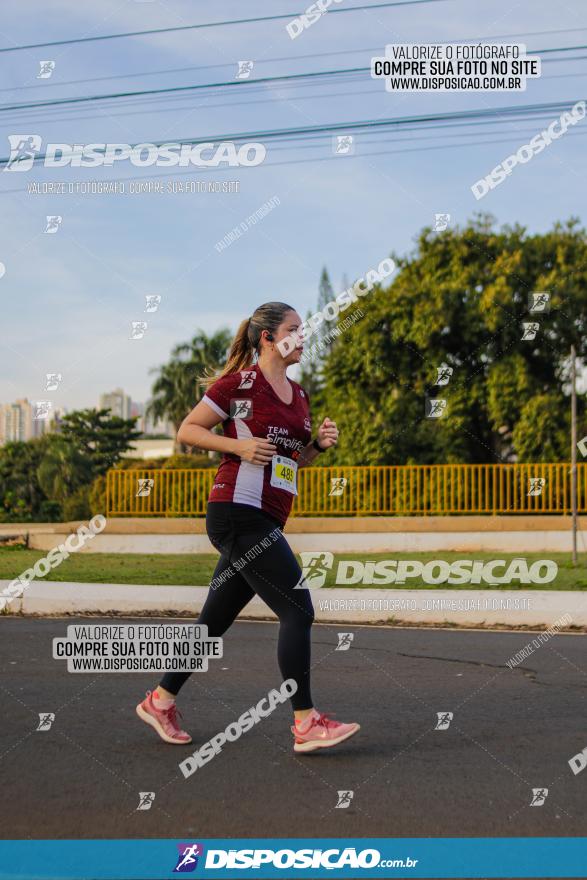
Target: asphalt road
(512,731)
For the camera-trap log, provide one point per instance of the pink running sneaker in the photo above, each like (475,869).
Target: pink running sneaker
(164,721)
(319,731)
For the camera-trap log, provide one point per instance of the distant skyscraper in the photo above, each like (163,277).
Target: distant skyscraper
(24,421)
(117,402)
(161,427)
(137,410)
(16,421)
(55,418)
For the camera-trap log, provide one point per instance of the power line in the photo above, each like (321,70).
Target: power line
(326,96)
(56,102)
(171,105)
(74,82)
(170,90)
(209,24)
(511,112)
(224,104)
(174,99)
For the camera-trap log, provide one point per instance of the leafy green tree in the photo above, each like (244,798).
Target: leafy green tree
(181,462)
(461,299)
(77,506)
(99,436)
(176,389)
(97,496)
(542,432)
(309,377)
(21,496)
(45,479)
(325,296)
(317,347)
(63,469)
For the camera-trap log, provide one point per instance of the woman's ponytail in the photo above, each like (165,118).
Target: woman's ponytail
(248,339)
(241,351)
(240,355)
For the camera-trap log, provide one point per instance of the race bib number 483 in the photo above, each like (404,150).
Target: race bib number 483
(284,473)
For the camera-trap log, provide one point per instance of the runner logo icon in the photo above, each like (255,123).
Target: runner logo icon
(315,566)
(41,409)
(187,860)
(46,69)
(536,485)
(46,719)
(146,799)
(53,380)
(241,409)
(444,719)
(337,486)
(443,374)
(23,151)
(435,408)
(538,302)
(245,68)
(53,223)
(247,379)
(441,222)
(539,795)
(531,328)
(344,800)
(344,641)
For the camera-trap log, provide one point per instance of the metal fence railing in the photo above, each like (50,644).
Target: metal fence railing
(367,491)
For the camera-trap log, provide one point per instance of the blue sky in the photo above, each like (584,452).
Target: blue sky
(68,299)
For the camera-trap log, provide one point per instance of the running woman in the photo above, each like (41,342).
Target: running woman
(266,437)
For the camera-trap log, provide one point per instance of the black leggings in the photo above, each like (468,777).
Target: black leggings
(271,570)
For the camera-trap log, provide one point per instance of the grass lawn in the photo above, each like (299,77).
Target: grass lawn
(197,569)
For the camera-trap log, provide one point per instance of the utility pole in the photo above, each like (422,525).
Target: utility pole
(574,450)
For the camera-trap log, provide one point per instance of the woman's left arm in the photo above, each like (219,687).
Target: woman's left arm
(326,438)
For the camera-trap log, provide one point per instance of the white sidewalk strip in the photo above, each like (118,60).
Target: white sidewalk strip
(466,607)
(555,541)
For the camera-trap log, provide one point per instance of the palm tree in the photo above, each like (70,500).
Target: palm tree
(176,389)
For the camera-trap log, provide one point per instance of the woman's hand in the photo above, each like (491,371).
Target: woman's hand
(257,450)
(327,434)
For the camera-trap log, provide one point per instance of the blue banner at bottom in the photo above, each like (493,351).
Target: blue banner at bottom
(294,857)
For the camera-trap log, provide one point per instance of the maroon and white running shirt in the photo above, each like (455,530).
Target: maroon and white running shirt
(249,408)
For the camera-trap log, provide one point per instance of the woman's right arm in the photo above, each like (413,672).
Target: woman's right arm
(196,430)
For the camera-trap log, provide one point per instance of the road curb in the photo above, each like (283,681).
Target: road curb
(513,608)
